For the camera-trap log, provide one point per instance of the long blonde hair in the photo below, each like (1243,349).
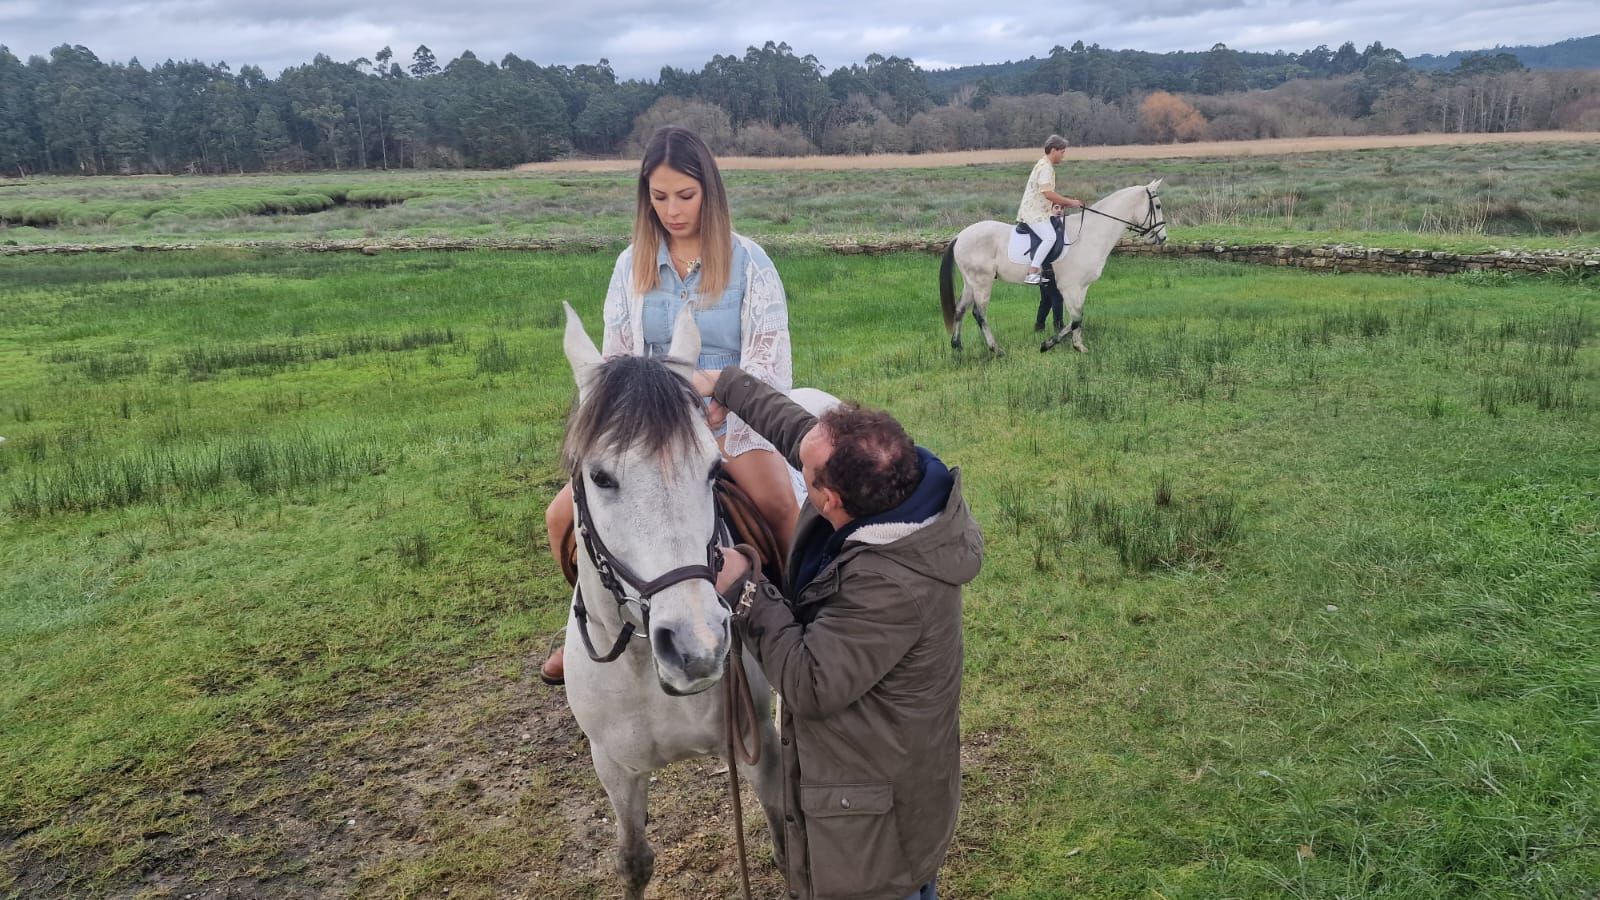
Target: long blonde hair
(683,150)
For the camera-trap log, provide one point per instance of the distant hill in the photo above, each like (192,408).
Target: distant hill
(1178,70)
(1576,53)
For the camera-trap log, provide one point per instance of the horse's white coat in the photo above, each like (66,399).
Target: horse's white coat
(657,518)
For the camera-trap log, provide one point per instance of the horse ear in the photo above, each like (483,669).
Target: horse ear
(684,354)
(582,354)
(1154,187)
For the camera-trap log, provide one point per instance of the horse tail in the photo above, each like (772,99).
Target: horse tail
(947,287)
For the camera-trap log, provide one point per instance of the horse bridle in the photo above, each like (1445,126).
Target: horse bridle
(615,576)
(1144,228)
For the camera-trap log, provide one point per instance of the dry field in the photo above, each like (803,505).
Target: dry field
(1266,147)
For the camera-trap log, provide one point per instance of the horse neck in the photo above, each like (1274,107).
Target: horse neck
(1102,232)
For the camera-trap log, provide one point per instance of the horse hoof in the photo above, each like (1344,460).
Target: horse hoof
(1045,347)
(955,344)
(997,351)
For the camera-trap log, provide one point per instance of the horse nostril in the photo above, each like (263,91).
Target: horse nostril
(666,648)
(683,657)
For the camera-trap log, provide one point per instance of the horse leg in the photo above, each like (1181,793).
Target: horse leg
(979,308)
(964,304)
(1075,328)
(629,794)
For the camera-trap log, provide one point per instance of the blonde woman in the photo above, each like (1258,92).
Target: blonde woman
(685,253)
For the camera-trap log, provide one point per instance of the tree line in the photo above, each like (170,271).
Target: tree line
(71,112)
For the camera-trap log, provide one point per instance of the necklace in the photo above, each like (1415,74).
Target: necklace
(690,266)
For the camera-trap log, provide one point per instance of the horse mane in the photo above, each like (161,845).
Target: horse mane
(633,401)
(1117,193)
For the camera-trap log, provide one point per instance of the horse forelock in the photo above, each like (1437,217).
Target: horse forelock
(633,402)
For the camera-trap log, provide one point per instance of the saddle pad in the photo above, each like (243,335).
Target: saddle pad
(1017,250)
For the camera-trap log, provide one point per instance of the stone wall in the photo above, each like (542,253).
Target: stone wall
(1341,258)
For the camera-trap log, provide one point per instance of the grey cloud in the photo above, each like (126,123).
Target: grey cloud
(640,36)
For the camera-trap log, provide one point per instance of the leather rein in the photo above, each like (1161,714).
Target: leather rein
(1143,229)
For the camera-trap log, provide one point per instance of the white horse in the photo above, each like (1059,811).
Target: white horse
(648,635)
(980,251)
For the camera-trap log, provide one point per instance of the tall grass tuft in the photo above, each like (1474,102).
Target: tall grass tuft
(264,465)
(201,361)
(495,357)
(1163,533)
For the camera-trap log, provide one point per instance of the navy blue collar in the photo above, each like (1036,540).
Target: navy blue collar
(926,501)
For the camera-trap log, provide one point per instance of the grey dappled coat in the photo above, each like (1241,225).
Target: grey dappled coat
(871,686)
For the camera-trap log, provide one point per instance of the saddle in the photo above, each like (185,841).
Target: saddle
(1024,243)
(735,510)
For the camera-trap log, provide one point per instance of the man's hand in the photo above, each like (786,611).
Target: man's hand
(716,414)
(703,381)
(734,566)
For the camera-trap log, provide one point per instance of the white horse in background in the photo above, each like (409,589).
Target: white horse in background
(648,635)
(981,252)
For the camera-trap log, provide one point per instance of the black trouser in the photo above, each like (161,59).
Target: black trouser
(1050,300)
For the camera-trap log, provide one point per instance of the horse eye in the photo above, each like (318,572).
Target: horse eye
(602,478)
(716,469)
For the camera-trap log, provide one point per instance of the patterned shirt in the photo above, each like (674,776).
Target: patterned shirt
(1035,206)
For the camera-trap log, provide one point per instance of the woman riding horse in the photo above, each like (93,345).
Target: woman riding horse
(685,253)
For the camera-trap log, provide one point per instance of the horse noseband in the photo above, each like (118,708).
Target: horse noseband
(614,572)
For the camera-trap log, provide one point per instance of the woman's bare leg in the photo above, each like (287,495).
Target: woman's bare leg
(557,519)
(764,475)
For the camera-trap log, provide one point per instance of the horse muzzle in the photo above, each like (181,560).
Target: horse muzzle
(686,663)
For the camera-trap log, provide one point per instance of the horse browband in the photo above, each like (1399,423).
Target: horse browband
(613,572)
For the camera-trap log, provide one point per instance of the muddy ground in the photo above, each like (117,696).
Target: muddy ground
(477,786)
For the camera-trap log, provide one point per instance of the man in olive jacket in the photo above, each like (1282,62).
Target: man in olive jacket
(864,646)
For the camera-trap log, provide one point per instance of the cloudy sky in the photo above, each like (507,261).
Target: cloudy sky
(639,36)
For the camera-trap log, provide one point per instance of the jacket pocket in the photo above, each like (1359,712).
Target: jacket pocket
(852,840)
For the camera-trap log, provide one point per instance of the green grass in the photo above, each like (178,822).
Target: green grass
(1441,198)
(1290,589)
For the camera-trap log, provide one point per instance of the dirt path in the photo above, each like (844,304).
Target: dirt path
(1267,147)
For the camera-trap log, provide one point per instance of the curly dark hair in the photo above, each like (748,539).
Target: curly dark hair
(873,465)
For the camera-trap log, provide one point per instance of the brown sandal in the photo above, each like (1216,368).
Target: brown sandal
(554,670)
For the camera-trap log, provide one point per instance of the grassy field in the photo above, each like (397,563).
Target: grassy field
(1450,198)
(1291,585)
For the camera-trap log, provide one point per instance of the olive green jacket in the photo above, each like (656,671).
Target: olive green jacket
(871,686)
